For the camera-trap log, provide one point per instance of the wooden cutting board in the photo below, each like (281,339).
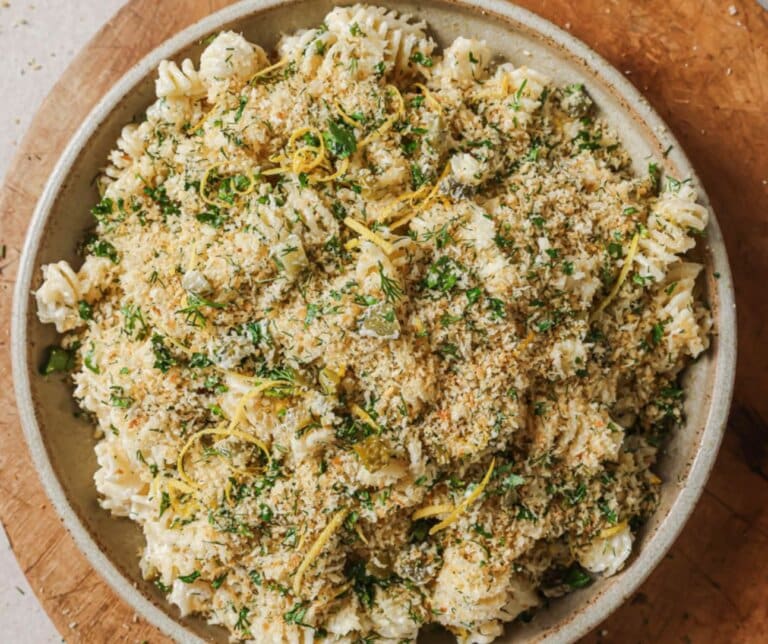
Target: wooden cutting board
(704,65)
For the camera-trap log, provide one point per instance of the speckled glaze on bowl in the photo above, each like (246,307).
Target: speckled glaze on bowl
(62,444)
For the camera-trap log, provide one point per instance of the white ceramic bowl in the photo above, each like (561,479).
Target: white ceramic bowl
(62,444)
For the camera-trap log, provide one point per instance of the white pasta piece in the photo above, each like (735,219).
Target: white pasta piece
(196,282)
(317,219)
(116,479)
(516,93)
(345,621)
(190,598)
(305,446)
(579,431)
(306,48)
(568,356)
(367,267)
(392,613)
(230,58)
(177,111)
(675,215)
(464,62)
(394,38)
(606,556)
(468,595)
(129,148)
(390,474)
(178,82)
(466,169)
(131,142)
(685,325)
(57,297)
(371,36)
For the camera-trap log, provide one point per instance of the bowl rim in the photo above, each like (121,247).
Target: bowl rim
(605,602)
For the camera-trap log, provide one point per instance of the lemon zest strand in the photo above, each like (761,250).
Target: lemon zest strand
(237,417)
(340,172)
(344,116)
(364,232)
(363,415)
(214,432)
(524,342)
(406,196)
(263,72)
(317,548)
(204,118)
(429,97)
(303,537)
(187,507)
(431,511)
(622,276)
(461,507)
(613,530)
(204,183)
(341,590)
(360,533)
(230,430)
(422,206)
(318,151)
(273,171)
(389,121)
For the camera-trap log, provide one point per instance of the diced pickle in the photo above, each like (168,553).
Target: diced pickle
(379,321)
(289,256)
(373,452)
(329,380)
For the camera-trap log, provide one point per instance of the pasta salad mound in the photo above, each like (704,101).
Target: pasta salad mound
(377,335)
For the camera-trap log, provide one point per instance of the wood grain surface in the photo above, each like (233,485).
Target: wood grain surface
(705,69)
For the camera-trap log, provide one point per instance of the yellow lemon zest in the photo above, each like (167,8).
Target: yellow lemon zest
(360,533)
(372,237)
(230,430)
(428,96)
(224,433)
(263,72)
(613,530)
(204,185)
(406,196)
(461,507)
(622,276)
(317,548)
(431,511)
(363,415)
(340,172)
(524,342)
(345,117)
(390,120)
(422,206)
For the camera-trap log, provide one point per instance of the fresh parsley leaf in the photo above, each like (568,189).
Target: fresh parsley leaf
(340,139)
(58,360)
